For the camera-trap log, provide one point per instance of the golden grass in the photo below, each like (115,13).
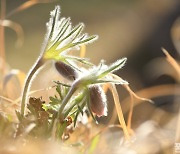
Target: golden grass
(82,51)
(172,62)
(26,5)
(17,28)
(119,110)
(176,66)
(152,92)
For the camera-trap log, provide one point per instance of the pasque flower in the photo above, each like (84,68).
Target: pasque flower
(91,81)
(63,37)
(60,38)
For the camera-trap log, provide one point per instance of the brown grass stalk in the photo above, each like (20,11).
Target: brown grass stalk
(83,51)
(27,5)
(172,62)
(132,96)
(176,66)
(119,110)
(155,91)
(129,121)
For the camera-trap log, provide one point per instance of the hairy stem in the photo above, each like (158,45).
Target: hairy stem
(76,101)
(39,62)
(66,99)
(28,81)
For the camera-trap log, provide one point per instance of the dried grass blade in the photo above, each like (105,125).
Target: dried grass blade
(129,121)
(155,91)
(22,7)
(119,110)
(17,28)
(172,61)
(126,86)
(17,73)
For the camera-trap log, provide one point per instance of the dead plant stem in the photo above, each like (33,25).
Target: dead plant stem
(119,110)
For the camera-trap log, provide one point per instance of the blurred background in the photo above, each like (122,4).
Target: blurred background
(136,29)
(126,28)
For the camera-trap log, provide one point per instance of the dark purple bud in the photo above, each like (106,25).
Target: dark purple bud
(98,101)
(66,70)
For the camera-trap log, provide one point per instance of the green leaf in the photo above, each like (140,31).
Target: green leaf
(81,60)
(18,114)
(60,34)
(63,37)
(45,107)
(111,81)
(80,110)
(78,99)
(88,40)
(54,18)
(54,101)
(75,118)
(59,91)
(77,30)
(113,67)
(62,84)
(60,129)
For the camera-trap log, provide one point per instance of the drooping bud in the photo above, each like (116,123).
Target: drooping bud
(98,101)
(66,70)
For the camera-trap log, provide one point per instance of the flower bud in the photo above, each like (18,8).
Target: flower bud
(66,70)
(98,101)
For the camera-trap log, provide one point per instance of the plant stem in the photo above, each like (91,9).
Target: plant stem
(39,62)
(76,101)
(2,36)
(60,130)
(66,99)
(28,81)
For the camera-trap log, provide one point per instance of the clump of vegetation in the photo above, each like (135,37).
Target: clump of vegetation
(65,108)
(51,119)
